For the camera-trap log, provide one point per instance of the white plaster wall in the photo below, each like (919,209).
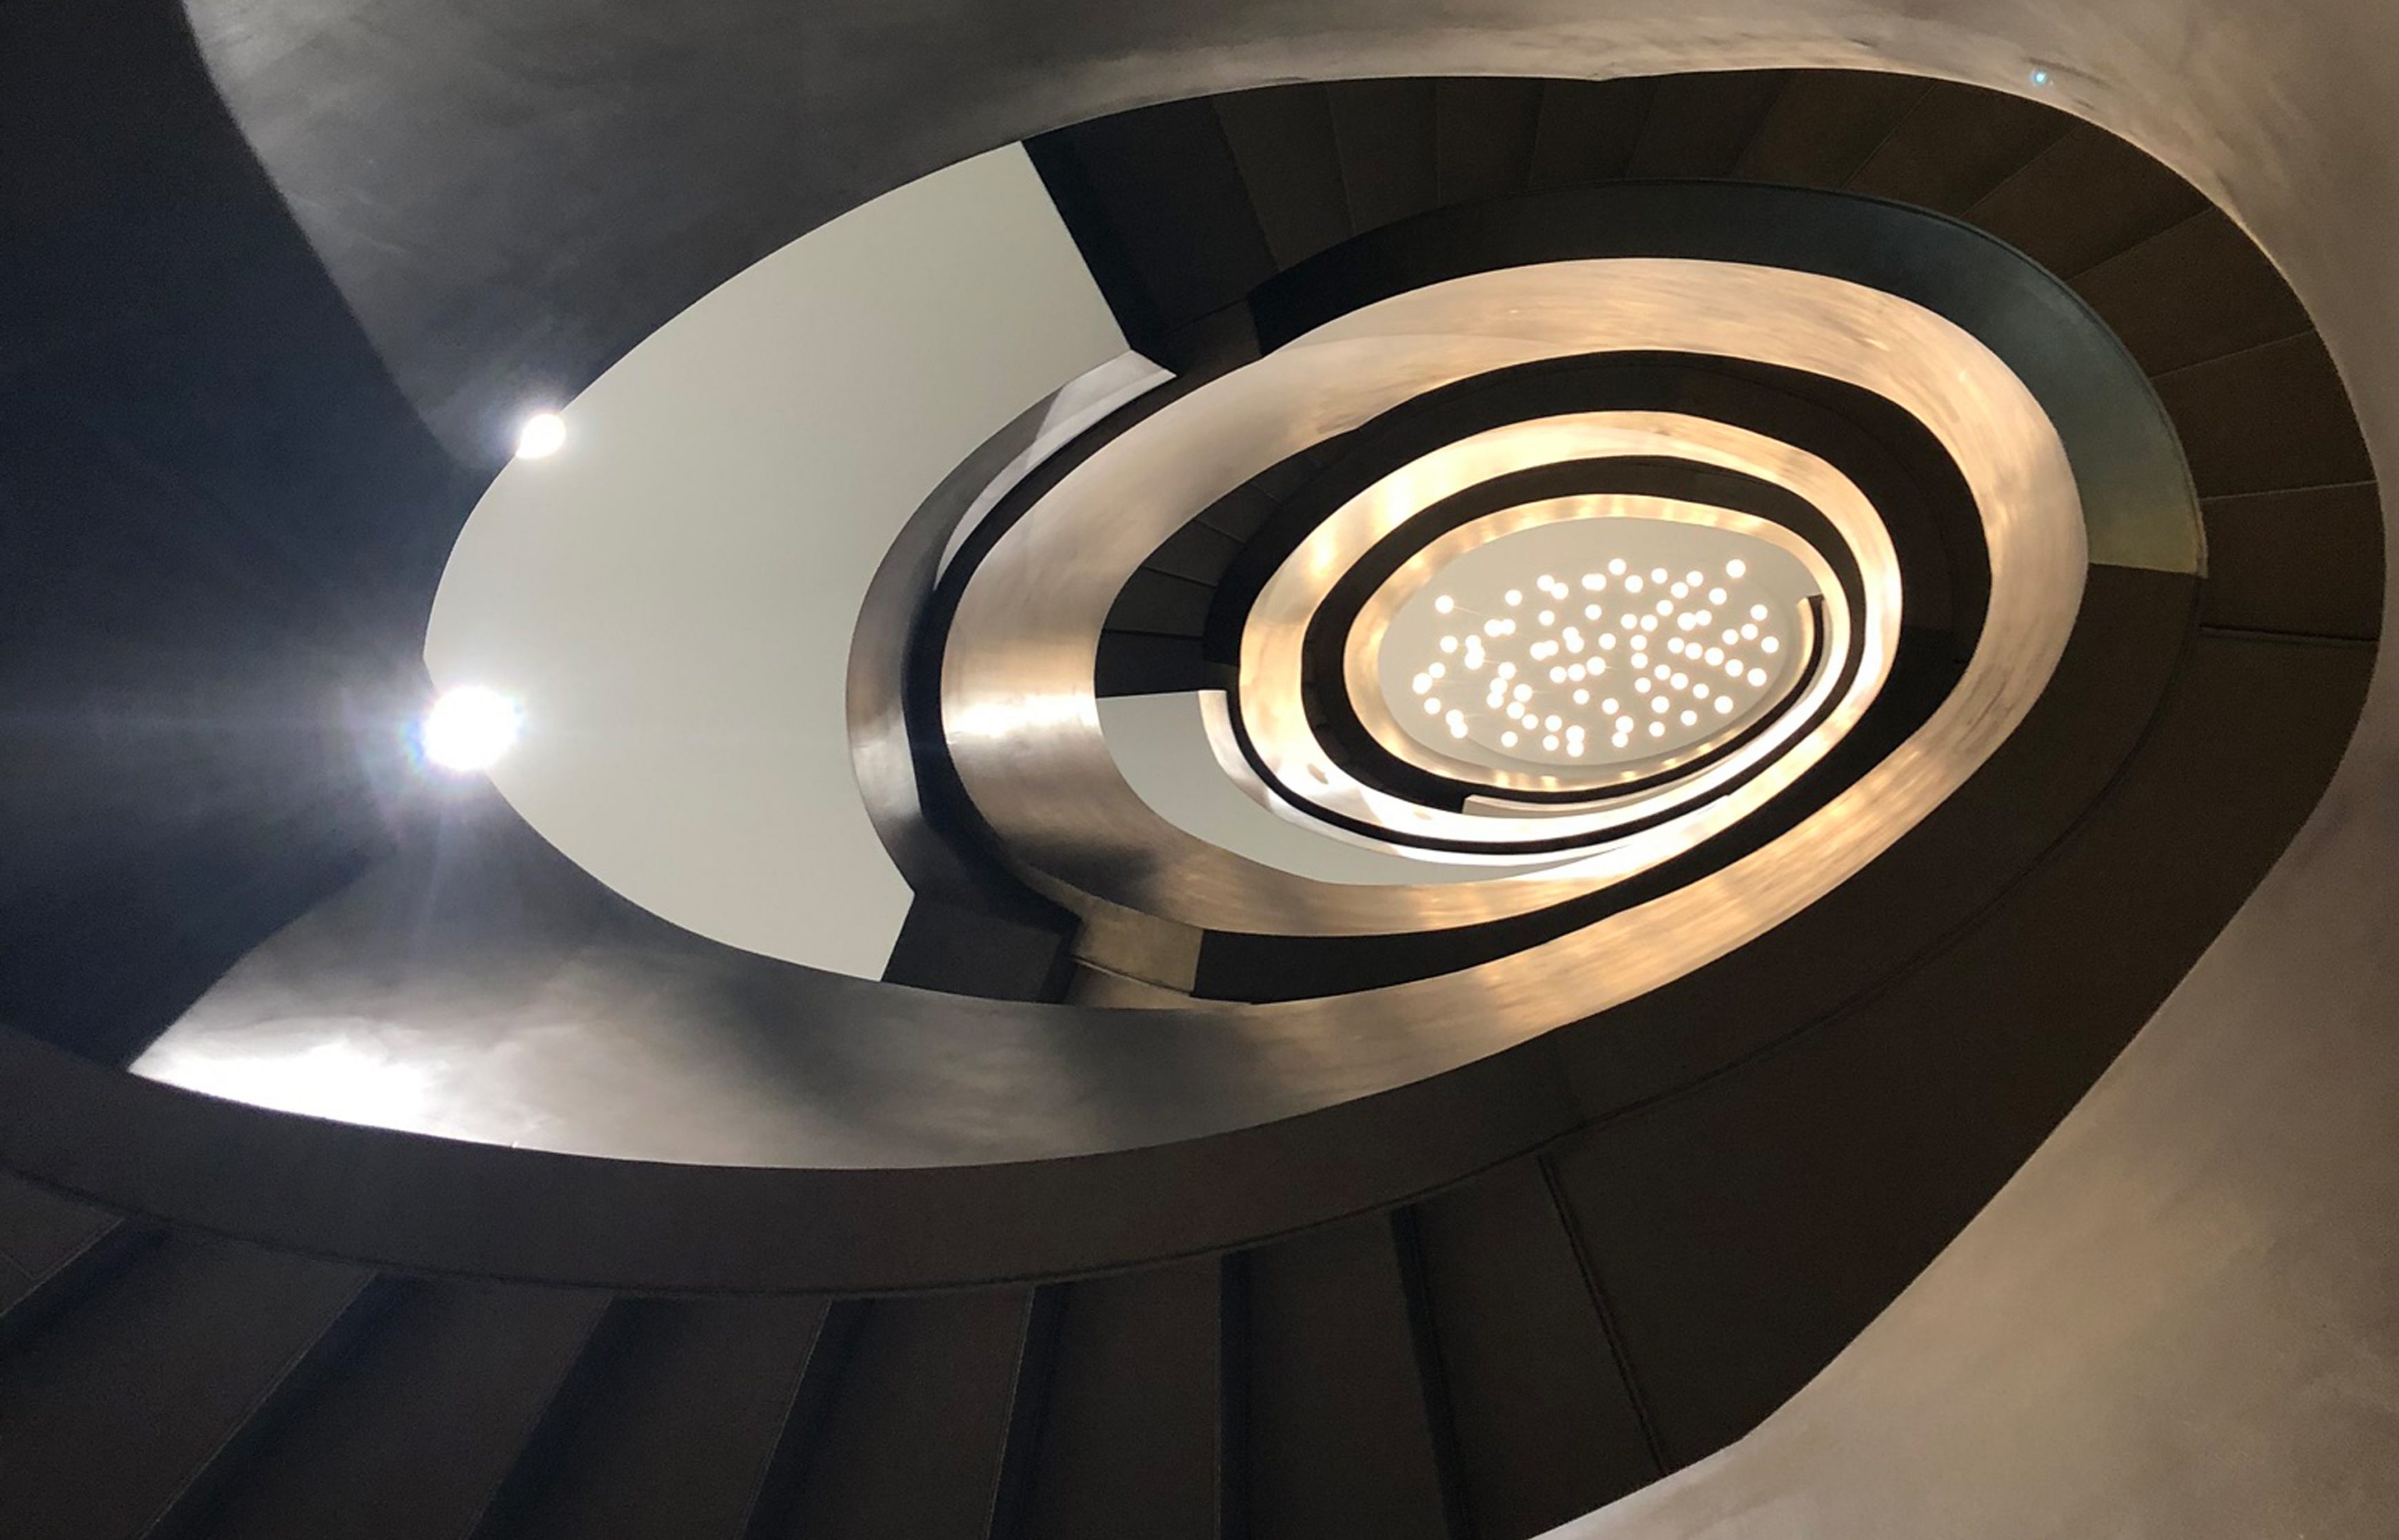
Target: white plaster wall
(672,596)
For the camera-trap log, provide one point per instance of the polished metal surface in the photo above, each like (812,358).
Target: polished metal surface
(880,751)
(1017,678)
(1180,755)
(2179,1320)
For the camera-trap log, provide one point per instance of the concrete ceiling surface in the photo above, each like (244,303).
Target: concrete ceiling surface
(2182,1317)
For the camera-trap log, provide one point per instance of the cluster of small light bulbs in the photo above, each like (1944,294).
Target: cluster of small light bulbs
(1591,665)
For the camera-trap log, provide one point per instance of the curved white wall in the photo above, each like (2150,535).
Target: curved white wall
(672,596)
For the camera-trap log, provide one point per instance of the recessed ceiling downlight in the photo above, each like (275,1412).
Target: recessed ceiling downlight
(469,728)
(541,436)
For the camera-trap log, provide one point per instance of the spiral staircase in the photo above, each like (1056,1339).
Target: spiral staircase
(1474,1304)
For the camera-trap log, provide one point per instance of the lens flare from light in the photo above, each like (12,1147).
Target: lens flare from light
(469,728)
(541,436)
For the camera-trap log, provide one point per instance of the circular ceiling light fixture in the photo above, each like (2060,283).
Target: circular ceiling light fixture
(541,436)
(1596,642)
(469,728)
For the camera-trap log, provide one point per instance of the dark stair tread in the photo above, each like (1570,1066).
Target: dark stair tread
(1384,131)
(2266,419)
(1156,200)
(911,1442)
(1157,603)
(2307,561)
(126,1399)
(1587,130)
(1129,1442)
(60,1254)
(1137,663)
(1196,551)
(1338,1441)
(1281,140)
(1824,125)
(677,1431)
(1482,137)
(40,1230)
(2088,197)
(2197,290)
(1700,124)
(418,1436)
(1545,1426)
(1735,1268)
(1957,144)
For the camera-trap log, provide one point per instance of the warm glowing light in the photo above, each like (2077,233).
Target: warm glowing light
(469,728)
(1549,698)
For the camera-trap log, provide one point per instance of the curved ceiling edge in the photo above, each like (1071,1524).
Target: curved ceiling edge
(672,596)
(2045,332)
(28,1148)
(1014,648)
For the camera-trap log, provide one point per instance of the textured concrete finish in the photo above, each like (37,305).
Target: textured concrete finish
(2182,1319)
